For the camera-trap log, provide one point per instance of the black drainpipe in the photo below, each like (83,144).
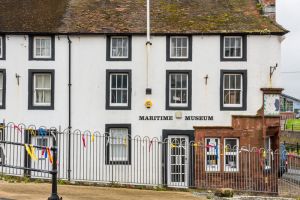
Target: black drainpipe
(69,118)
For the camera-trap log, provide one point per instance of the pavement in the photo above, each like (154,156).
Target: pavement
(36,191)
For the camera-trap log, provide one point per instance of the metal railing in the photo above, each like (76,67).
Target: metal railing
(135,160)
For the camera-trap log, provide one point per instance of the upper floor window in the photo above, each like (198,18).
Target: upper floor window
(119,48)
(179,90)
(2,47)
(233,90)
(118,140)
(233,48)
(2,88)
(41,48)
(41,89)
(179,48)
(118,89)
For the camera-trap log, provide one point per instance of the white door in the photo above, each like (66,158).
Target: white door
(178,162)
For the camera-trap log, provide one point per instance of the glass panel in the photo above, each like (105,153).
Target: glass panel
(232,82)
(47,81)
(226,81)
(238,81)
(1,80)
(226,42)
(113,80)
(113,96)
(231,144)
(1,93)
(238,97)
(184,81)
(184,96)
(119,81)
(178,52)
(173,96)
(226,97)
(184,42)
(124,81)
(178,96)
(119,96)
(47,94)
(184,52)
(178,81)
(232,42)
(39,81)
(39,96)
(172,80)
(124,96)
(227,52)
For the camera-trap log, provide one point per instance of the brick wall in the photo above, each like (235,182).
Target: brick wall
(252,172)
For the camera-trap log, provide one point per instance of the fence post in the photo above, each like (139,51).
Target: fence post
(54,195)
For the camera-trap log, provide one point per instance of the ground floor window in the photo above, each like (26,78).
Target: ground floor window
(212,153)
(118,143)
(231,154)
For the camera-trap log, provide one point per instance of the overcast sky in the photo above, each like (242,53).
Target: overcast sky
(288,15)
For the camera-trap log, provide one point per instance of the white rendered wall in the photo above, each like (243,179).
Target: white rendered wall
(89,82)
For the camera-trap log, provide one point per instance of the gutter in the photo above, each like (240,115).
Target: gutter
(69,108)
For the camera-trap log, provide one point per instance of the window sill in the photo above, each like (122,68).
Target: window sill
(118,59)
(118,163)
(179,59)
(118,107)
(225,108)
(42,59)
(40,107)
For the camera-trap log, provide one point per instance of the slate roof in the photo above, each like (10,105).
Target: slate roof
(129,16)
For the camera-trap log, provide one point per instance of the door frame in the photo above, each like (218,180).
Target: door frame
(191,136)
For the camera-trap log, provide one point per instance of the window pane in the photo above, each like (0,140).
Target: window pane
(113,81)
(39,81)
(1,80)
(173,97)
(184,81)
(113,42)
(232,42)
(232,82)
(119,81)
(178,81)
(1,98)
(226,42)
(47,81)
(184,96)
(172,80)
(238,97)
(113,96)
(124,81)
(238,81)
(238,42)
(119,96)
(226,97)
(118,144)
(124,96)
(178,52)
(39,96)
(226,81)
(47,94)
(231,143)
(184,42)
(178,96)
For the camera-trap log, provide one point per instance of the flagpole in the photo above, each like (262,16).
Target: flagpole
(148,44)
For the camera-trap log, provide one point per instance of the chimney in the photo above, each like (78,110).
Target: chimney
(268,8)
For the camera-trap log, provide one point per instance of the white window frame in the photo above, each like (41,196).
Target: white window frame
(1,47)
(34,47)
(230,89)
(268,151)
(224,46)
(44,89)
(212,167)
(122,89)
(170,89)
(111,46)
(236,153)
(1,88)
(124,141)
(181,47)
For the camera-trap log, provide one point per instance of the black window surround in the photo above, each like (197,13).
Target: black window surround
(107,148)
(244,88)
(108,106)
(31,73)
(31,46)
(189,105)
(244,48)
(3,71)
(108,47)
(190,48)
(3,57)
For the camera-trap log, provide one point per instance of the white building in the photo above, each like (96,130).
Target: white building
(84,65)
